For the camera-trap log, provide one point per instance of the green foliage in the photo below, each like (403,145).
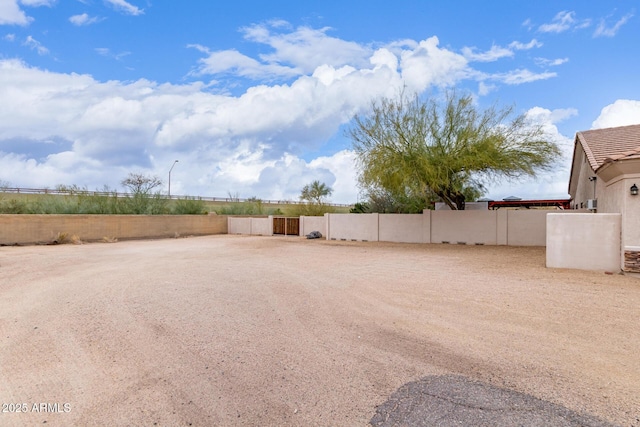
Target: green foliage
(142,204)
(252,206)
(189,206)
(81,201)
(384,201)
(255,205)
(360,208)
(316,192)
(310,209)
(314,196)
(14,206)
(141,199)
(411,148)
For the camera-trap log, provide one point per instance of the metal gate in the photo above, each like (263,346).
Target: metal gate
(286,226)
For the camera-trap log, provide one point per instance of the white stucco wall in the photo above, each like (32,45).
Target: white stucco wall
(526,227)
(409,228)
(262,226)
(353,227)
(313,223)
(239,225)
(584,241)
(470,227)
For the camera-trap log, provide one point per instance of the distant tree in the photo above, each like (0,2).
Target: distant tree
(410,146)
(142,199)
(316,192)
(140,184)
(315,197)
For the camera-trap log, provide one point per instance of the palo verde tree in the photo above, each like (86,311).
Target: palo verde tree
(447,150)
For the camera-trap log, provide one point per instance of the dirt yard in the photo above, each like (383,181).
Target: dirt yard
(229,330)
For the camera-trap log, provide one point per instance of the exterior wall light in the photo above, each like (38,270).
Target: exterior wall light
(634,190)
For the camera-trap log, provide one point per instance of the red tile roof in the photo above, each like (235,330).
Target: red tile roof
(607,145)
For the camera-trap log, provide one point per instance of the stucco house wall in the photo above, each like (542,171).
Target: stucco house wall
(583,187)
(613,156)
(583,241)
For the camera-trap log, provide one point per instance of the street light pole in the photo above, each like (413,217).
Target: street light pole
(174,163)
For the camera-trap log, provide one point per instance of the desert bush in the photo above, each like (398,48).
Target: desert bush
(189,206)
(310,209)
(14,206)
(62,238)
(247,208)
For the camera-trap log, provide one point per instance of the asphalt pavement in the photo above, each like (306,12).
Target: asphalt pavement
(452,400)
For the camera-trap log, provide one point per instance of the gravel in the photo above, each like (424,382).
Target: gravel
(232,330)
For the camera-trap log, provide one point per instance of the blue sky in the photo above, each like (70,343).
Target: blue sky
(253,98)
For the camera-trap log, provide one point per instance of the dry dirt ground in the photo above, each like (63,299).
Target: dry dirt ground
(230,330)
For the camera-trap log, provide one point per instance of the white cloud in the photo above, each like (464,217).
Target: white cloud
(34,44)
(11,14)
(484,89)
(544,62)
(306,48)
(493,54)
(9,37)
(528,24)
(294,53)
(125,7)
(520,76)
(563,21)
(623,112)
(603,30)
(498,52)
(232,61)
(37,3)
(113,127)
(342,166)
(83,19)
(428,65)
(256,143)
(549,117)
(106,52)
(525,46)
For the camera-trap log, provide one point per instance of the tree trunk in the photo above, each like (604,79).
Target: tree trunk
(455,201)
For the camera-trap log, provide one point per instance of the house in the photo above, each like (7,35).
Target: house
(605,175)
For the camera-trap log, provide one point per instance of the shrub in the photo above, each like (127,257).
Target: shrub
(189,206)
